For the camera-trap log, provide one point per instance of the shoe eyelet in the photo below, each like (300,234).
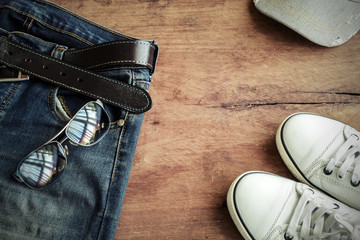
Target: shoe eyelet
(340,177)
(357,137)
(287,237)
(327,172)
(355,184)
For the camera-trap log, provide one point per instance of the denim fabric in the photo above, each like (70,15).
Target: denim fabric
(85,202)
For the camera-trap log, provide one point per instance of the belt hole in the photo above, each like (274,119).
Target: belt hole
(45,67)
(9,53)
(79,79)
(62,74)
(27,60)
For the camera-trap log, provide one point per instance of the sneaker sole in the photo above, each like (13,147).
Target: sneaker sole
(230,201)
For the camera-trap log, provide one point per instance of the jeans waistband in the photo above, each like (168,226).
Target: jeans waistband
(40,16)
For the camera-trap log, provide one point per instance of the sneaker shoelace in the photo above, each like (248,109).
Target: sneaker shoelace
(348,158)
(318,218)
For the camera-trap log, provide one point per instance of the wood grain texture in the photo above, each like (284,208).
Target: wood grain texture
(227,76)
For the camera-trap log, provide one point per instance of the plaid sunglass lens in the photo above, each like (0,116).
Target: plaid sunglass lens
(43,166)
(87,126)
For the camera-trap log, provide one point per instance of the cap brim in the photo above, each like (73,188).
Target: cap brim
(328,23)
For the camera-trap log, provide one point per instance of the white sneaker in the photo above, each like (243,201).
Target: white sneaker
(324,153)
(267,206)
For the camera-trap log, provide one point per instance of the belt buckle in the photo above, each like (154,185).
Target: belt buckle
(20,77)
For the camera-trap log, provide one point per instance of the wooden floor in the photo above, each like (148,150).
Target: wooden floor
(227,76)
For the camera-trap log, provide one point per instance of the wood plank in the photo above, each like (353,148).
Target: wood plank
(226,78)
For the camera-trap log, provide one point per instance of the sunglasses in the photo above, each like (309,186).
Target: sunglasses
(44,165)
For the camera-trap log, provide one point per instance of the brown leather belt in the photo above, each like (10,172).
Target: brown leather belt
(73,71)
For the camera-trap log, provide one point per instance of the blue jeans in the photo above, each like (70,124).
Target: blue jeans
(85,202)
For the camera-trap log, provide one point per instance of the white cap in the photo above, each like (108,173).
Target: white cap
(326,22)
